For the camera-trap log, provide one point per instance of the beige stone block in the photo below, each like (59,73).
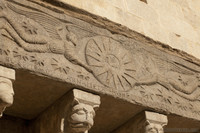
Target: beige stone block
(182,3)
(166,8)
(86,97)
(179,27)
(76,3)
(185,45)
(191,17)
(94,6)
(142,10)
(7,73)
(117,3)
(193,49)
(158,4)
(178,42)
(117,15)
(194,5)
(133,22)
(156,118)
(156,32)
(174,9)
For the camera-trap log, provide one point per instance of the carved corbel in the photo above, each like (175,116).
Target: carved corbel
(154,122)
(81,116)
(6,89)
(145,122)
(72,113)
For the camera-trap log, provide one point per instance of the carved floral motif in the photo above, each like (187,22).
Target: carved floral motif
(111,64)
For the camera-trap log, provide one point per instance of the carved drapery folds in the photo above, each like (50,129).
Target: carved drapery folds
(145,122)
(6,88)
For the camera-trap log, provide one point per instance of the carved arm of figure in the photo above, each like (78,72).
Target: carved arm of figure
(190,91)
(187,89)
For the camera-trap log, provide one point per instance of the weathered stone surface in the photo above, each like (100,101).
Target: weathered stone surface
(145,122)
(47,41)
(73,113)
(181,14)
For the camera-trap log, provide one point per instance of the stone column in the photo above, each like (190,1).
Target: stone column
(73,113)
(6,89)
(145,122)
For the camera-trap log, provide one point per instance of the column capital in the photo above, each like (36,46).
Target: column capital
(72,113)
(154,122)
(7,75)
(156,118)
(81,116)
(144,122)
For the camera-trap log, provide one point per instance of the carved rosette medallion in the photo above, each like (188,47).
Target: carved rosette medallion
(112,65)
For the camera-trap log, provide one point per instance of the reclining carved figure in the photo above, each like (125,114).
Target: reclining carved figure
(189,91)
(52,36)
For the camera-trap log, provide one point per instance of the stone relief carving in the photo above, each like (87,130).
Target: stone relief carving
(179,80)
(114,65)
(39,32)
(111,64)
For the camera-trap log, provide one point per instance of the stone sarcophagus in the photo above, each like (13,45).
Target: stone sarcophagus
(48,41)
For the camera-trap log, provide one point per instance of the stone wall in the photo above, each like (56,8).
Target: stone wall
(173,22)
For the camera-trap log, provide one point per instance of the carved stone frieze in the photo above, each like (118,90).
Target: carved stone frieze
(47,41)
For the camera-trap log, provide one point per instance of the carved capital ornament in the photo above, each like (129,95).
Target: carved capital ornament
(6,88)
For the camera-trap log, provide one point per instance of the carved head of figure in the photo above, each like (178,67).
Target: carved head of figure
(153,128)
(81,118)
(6,94)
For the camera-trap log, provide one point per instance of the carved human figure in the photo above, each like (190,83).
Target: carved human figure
(6,94)
(185,86)
(81,118)
(39,32)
